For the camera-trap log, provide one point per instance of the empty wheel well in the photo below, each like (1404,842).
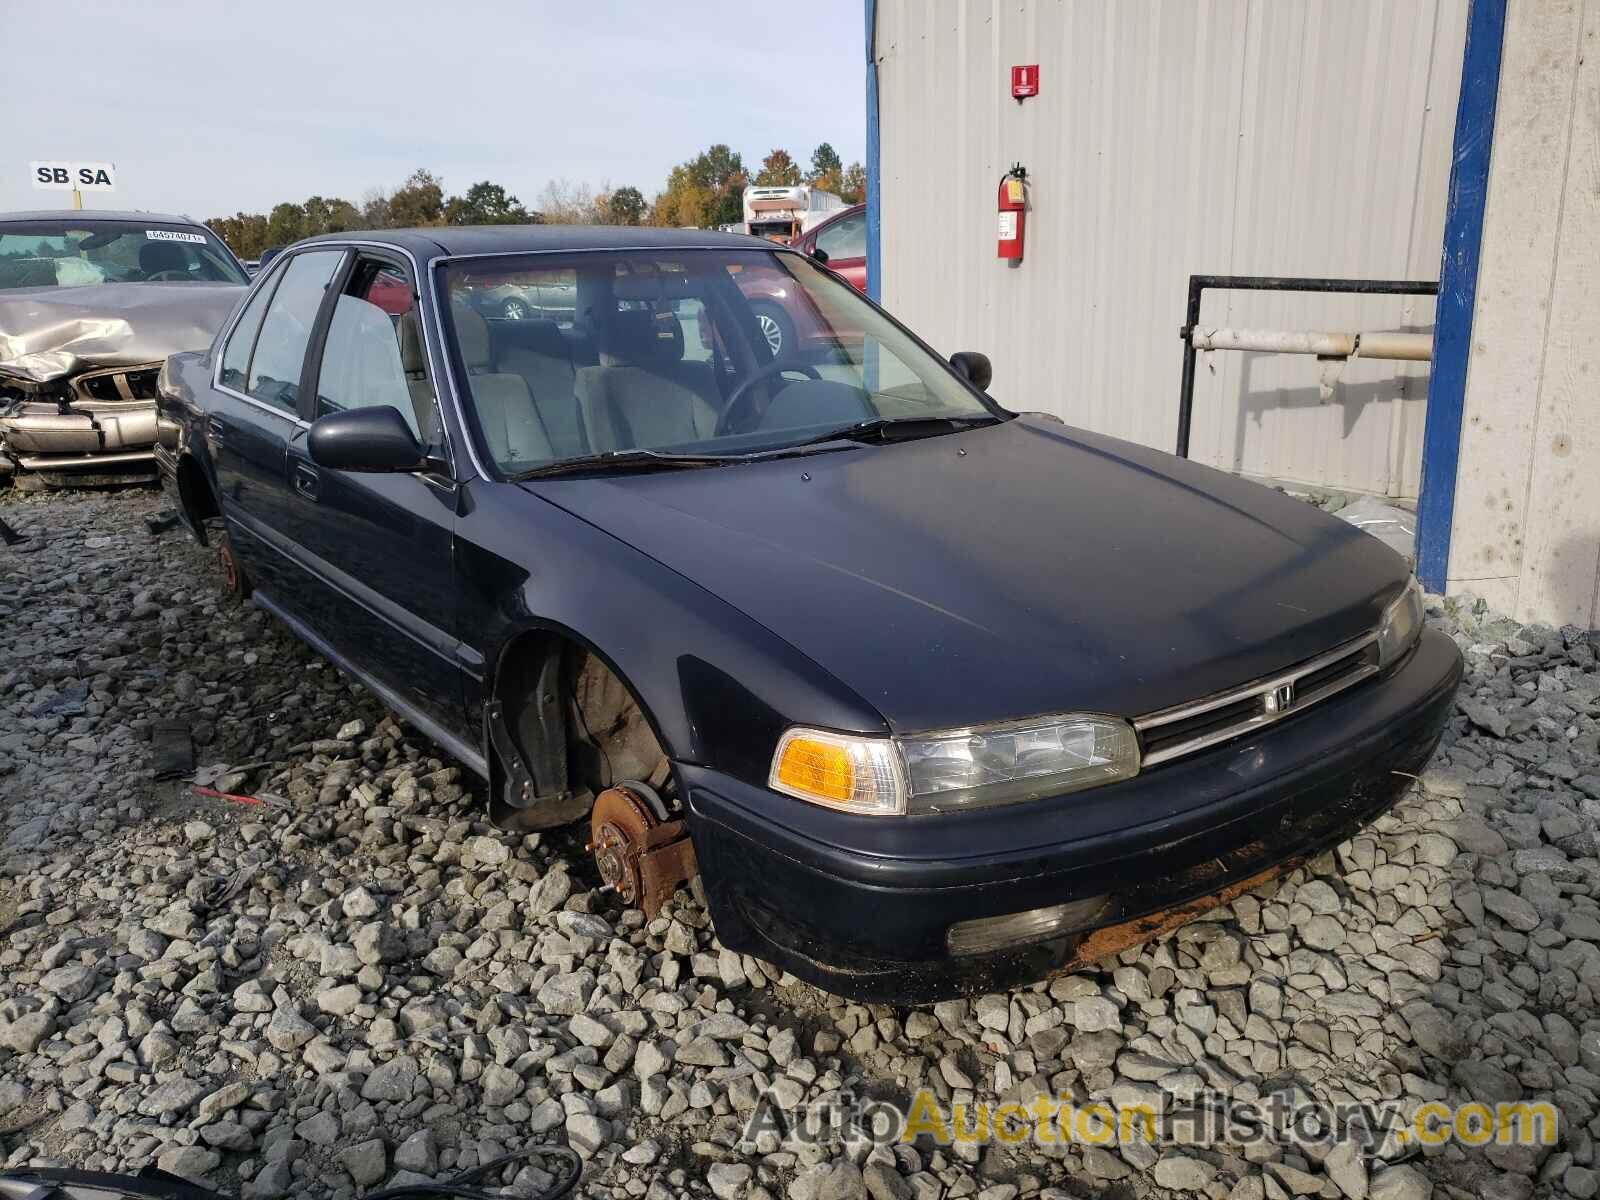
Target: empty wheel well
(194,493)
(609,736)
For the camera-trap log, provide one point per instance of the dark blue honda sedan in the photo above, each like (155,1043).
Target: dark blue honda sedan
(931,696)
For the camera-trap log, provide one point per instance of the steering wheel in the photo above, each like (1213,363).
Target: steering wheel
(734,413)
(171,275)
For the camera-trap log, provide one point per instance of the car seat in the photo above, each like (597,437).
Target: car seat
(643,393)
(506,414)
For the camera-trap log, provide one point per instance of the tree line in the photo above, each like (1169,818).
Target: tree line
(705,191)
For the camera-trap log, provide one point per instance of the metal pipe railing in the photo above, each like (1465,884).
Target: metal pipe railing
(1411,347)
(1199,284)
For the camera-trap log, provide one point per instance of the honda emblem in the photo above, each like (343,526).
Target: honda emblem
(1281,698)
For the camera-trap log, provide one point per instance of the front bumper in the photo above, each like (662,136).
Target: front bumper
(44,436)
(861,906)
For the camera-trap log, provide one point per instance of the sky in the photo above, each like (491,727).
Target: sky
(213,108)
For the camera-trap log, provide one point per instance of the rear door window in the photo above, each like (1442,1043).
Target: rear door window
(236,354)
(280,353)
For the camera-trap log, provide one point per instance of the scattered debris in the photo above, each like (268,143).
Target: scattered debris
(161,524)
(1394,527)
(172,748)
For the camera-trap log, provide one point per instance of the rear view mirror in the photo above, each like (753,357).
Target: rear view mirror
(365,439)
(973,367)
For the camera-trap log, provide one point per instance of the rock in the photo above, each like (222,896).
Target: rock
(367,1162)
(339,1001)
(358,904)
(70,984)
(193,1163)
(12,1097)
(586,1133)
(172,1098)
(1344,1165)
(1400,1183)
(837,1180)
(729,1181)
(419,1153)
(27,1032)
(501,1085)
(288,1030)
(1095,1014)
(378,942)
(567,995)
(224,1099)
(1511,908)
(885,1183)
(1180,1173)
(393,1081)
(488,851)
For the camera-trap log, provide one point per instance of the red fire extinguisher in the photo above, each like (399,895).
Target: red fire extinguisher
(1013,212)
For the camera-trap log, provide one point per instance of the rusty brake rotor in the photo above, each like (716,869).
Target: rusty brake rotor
(640,856)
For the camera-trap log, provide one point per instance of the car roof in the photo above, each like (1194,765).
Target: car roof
(96,214)
(433,241)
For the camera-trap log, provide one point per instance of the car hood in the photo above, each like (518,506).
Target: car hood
(1013,570)
(48,334)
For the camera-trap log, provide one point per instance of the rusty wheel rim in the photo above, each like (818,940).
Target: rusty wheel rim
(230,569)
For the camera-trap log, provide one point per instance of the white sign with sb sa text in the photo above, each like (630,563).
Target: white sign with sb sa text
(74,176)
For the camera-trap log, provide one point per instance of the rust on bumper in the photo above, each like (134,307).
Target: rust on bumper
(1113,939)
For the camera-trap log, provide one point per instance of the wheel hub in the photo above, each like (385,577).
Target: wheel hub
(639,856)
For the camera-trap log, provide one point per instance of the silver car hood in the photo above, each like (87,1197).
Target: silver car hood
(48,334)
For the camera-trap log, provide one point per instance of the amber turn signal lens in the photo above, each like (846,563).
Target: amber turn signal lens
(817,768)
(840,770)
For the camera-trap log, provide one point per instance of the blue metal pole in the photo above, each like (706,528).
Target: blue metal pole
(1458,285)
(874,224)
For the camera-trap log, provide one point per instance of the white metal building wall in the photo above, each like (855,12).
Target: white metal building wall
(1271,137)
(1527,511)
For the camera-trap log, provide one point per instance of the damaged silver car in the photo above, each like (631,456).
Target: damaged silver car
(91,304)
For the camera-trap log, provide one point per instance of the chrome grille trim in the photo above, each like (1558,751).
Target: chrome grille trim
(1259,690)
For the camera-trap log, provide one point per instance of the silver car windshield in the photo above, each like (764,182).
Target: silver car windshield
(706,353)
(80,251)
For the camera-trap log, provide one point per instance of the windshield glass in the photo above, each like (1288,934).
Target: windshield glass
(702,352)
(74,252)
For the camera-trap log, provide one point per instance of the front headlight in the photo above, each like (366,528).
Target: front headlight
(1020,760)
(1402,625)
(958,769)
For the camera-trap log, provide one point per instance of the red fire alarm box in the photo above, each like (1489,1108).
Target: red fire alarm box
(1025,81)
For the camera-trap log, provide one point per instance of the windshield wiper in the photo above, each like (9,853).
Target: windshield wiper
(626,460)
(885,429)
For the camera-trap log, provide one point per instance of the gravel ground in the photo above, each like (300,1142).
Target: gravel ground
(366,983)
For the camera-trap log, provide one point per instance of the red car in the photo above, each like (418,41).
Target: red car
(841,242)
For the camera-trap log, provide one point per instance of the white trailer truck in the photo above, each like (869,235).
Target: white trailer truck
(784,213)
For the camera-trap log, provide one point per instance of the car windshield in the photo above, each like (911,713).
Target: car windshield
(650,354)
(74,252)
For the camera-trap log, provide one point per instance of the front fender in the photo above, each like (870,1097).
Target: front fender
(717,687)
(182,448)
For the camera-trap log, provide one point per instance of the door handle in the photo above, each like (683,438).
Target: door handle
(306,480)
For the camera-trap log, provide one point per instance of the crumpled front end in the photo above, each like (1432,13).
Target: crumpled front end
(101,422)
(79,370)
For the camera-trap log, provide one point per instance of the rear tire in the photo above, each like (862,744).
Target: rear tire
(234,582)
(515,310)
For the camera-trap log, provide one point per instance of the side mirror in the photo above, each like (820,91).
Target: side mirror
(973,367)
(365,439)
(818,253)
